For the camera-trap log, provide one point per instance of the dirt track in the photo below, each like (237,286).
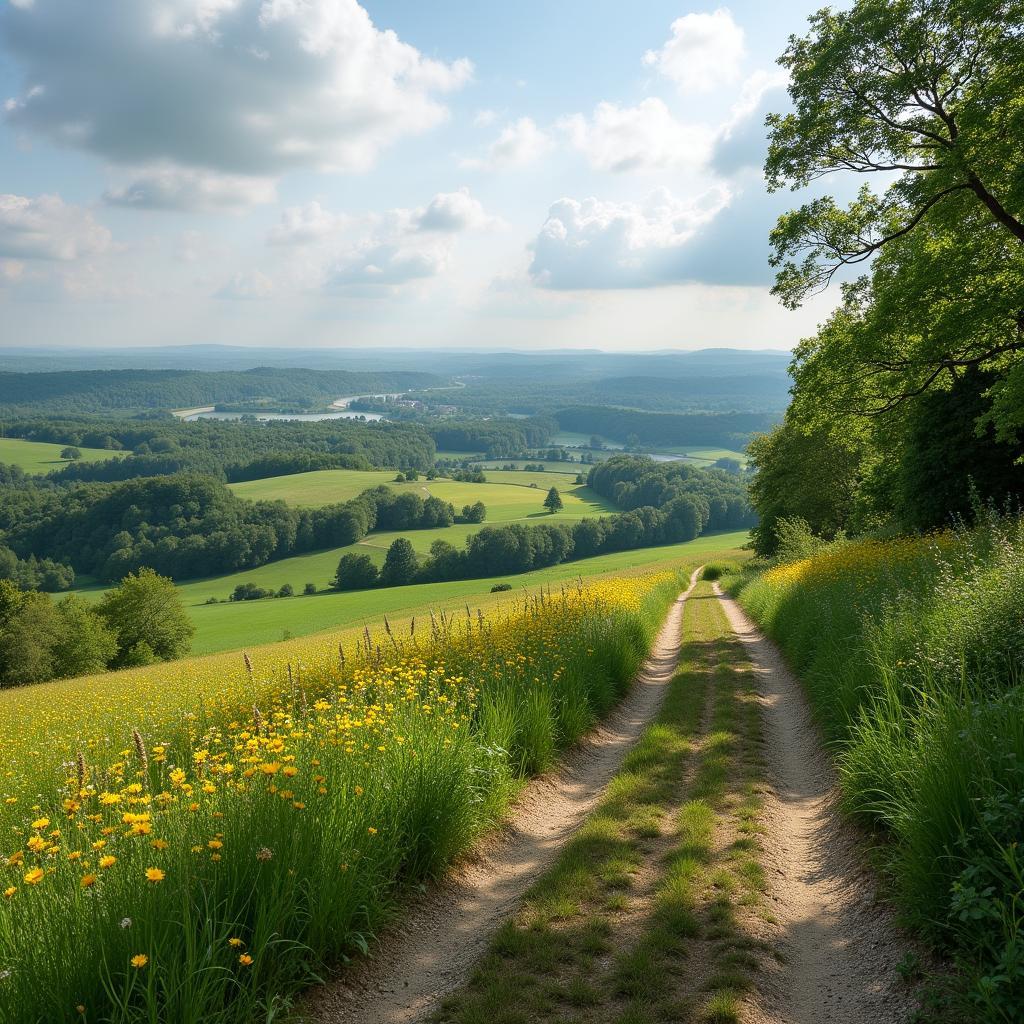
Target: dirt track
(440,936)
(840,947)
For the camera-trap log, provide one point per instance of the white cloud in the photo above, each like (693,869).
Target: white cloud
(452,211)
(643,137)
(388,263)
(484,118)
(519,143)
(247,285)
(172,188)
(47,228)
(704,51)
(239,87)
(301,225)
(593,244)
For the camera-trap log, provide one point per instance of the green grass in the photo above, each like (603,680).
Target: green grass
(278,817)
(646,888)
(911,655)
(509,500)
(42,457)
(226,626)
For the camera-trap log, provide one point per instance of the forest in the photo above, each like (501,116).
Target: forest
(97,391)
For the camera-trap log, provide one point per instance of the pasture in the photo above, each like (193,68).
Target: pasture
(508,496)
(43,457)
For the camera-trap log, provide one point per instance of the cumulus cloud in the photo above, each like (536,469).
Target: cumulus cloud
(238,87)
(47,228)
(519,143)
(742,143)
(594,244)
(172,188)
(388,263)
(703,52)
(391,248)
(452,211)
(643,137)
(301,225)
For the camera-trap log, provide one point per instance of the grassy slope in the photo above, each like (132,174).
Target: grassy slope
(41,457)
(224,626)
(221,627)
(509,498)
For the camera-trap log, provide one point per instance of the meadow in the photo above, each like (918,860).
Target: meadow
(508,496)
(227,626)
(911,652)
(197,841)
(42,457)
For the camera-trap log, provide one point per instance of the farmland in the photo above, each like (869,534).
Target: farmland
(43,457)
(508,496)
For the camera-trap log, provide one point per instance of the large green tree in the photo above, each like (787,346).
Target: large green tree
(148,616)
(928,97)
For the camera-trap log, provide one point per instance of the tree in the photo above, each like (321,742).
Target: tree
(355,572)
(400,564)
(287,590)
(146,612)
(85,642)
(553,502)
(71,453)
(475,513)
(930,90)
(29,628)
(309,588)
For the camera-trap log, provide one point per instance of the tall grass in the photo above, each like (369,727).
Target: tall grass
(912,651)
(207,867)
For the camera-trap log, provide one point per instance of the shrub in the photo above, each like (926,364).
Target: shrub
(309,588)
(287,590)
(355,572)
(499,588)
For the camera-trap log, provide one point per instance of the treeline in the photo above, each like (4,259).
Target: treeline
(88,391)
(632,482)
(139,622)
(187,525)
(678,392)
(688,503)
(228,449)
(713,430)
(498,438)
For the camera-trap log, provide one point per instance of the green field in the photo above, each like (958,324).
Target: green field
(42,457)
(225,626)
(222,627)
(508,496)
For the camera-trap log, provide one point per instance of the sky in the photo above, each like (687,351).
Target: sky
(585,173)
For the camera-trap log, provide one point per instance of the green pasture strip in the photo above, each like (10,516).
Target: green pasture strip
(508,499)
(43,457)
(595,938)
(226,626)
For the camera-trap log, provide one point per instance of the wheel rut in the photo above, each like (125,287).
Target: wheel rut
(840,946)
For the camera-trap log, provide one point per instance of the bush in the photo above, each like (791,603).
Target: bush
(715,571)
(309,588)
(355,572)
(249,592)
(287,590)
(499,588)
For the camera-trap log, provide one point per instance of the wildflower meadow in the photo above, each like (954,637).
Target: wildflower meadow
(201,857)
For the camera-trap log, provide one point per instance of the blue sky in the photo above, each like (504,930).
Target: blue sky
(316,172)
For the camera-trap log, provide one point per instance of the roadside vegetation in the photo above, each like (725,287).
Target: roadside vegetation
(208,850)
(911,651)
(654,910)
